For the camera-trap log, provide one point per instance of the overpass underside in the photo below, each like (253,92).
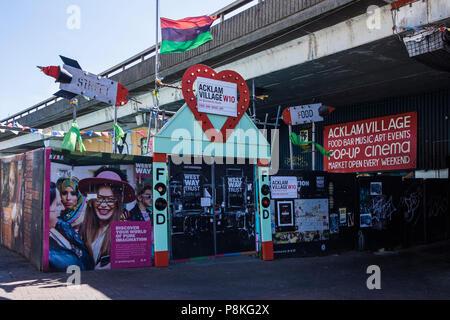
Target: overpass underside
(336,59)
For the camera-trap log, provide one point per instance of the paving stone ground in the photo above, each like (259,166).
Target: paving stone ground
(416,273)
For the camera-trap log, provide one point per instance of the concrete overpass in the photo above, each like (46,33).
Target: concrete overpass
(333,51)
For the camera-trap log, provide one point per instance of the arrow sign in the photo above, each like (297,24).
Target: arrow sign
(302,114)
(305,114)
(74,81)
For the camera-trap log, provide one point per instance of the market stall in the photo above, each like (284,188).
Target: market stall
(216,161)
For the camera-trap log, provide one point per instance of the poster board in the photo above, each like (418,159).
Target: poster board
(90,229)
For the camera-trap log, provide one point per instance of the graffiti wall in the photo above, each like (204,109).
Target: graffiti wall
(22,186)
(343,208)
(436,197)
(379,215)
(403,212)
(100,212)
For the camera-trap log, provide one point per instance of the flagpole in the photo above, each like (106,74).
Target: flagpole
(156,106)
(114,131)
(157,49)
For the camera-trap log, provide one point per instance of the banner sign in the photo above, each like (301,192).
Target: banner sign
(217,97)
(283,187)
(378,144)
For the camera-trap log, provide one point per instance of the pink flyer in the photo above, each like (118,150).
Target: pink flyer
(131,244)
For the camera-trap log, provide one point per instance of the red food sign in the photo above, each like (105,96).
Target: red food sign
(379,144)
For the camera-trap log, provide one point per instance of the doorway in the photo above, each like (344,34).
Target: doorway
(212,209)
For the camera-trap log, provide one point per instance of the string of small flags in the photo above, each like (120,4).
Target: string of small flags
(16,128)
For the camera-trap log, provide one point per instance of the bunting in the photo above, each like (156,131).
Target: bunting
(119,132)
(72,137)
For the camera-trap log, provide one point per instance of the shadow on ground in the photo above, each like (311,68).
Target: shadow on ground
(417,273)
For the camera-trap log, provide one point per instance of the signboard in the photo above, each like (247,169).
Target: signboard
(283,187)
(302,114)
(285,213)
(131,244)
(379,144)
(88,84)
(217,97)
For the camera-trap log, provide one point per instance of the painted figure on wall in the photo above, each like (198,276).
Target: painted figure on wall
(142,211)
(109,190)
(72,200)
(65,246)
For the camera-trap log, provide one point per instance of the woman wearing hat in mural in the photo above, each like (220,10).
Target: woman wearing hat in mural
(65,246)
(72,200)
(111,191)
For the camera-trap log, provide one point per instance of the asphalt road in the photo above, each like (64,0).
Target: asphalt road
(418,273)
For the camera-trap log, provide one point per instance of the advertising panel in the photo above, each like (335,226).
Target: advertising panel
(100,214)
(131,244)
(378,144)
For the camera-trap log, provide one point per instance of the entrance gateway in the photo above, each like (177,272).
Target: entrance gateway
(211,173)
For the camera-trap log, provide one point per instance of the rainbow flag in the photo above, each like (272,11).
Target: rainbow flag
(185,34)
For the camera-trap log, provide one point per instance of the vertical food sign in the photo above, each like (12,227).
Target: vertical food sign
(378,144)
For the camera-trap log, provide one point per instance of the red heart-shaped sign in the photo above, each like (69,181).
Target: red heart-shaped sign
(230,124)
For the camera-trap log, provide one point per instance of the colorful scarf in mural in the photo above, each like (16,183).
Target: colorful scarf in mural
(74,209)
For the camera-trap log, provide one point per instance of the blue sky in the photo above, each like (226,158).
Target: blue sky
(35,32)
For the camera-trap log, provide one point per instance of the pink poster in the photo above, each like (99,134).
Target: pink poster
(131,244)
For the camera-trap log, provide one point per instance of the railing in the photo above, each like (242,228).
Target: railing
(140,57)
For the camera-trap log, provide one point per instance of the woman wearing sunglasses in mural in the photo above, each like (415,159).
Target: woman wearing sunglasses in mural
(65,246)
(72,200)
(110,191)
(142,211)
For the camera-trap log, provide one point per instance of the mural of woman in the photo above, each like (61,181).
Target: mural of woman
(72,200)
(65,246)
(15,202)
(111,191)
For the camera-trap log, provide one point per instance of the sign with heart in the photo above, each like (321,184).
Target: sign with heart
(218,88)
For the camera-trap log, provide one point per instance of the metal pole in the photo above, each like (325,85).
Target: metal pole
(313,159)
(213,182)
(114,130)
(290,148)
(157,43)
(274,136)
(156,67)
(150,115)
(74,113)
(253,99)
(156,106)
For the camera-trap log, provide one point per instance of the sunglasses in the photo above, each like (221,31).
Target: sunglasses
(72,193)
(107,201)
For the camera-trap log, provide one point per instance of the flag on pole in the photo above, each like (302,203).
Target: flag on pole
(185,34)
